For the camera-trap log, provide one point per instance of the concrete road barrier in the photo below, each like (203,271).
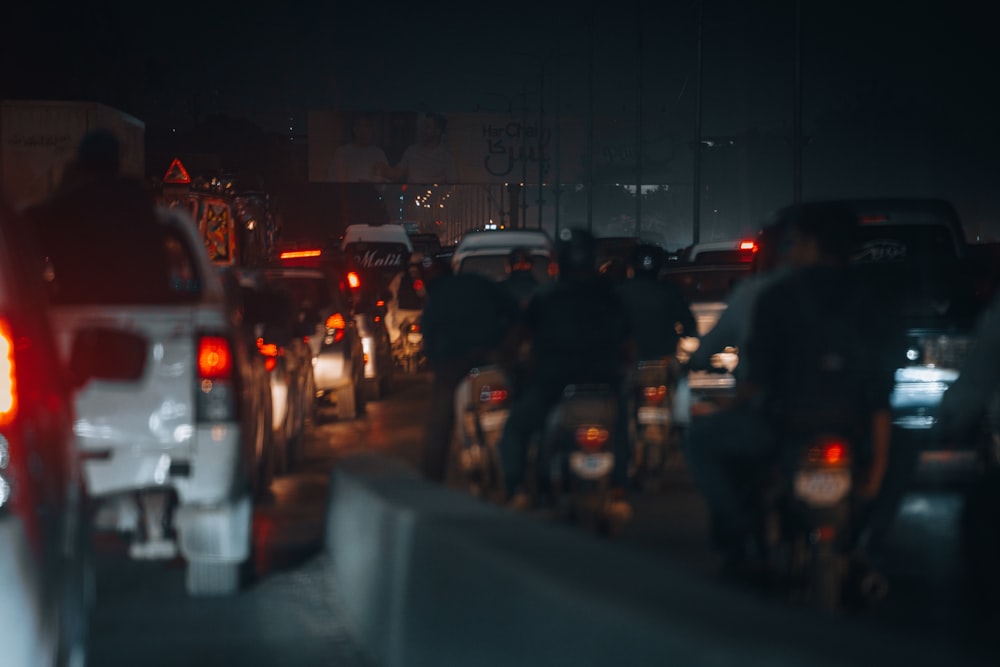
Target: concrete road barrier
(429,576)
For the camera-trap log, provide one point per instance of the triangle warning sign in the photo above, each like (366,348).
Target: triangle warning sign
(177,173)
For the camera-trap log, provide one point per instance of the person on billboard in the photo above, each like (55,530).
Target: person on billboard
(428,160)
(360,160)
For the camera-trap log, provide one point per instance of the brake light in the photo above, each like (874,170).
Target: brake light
(215,359)
(353,280)
(271,352)
(8,377)
(379,303)
(300,254)
(592,437)
(336,323)
(654,394)
(748,245)
(418,285)
(834,454)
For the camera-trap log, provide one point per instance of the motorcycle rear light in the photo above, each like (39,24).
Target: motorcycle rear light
(654,394)
(415,328)
(592,437)
(418,285)
(833,453)
(8,376)
(493,395)
(379,303)
(353,280)
(215,359)
(337,324)
(267,349)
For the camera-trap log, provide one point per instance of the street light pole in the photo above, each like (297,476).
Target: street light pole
(696,216)
(524,157)
(797,108)
(590,124)
(541,138)
(558,153)
(638,124)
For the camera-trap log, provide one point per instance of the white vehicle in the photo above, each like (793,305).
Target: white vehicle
(170,438)
(486,252)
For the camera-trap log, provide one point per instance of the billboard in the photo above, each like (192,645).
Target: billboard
(473,148)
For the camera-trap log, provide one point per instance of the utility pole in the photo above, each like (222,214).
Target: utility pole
(558,153)
(797,109)
(541,139)
(638,123)
(524,157)
(696,214)
(590,124)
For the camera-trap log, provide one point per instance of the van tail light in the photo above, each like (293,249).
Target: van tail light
(591,437)
(654,395)
(216,392)
(335,326)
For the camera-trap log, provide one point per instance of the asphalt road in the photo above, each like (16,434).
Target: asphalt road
(289,616)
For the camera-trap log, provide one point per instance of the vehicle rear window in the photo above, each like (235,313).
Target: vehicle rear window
(147,264)
(308,292)
(700,285)
(495,266)
(894,243)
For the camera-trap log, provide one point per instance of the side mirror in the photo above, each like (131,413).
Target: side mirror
(107,354)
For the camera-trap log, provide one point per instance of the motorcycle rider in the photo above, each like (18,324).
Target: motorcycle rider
(784,393)
(579,332)
(466,321)
(520,281)
(658,312)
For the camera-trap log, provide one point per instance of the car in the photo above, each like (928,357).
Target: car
(334,340)
(486,252)
(428,245)
(270,316)
(368,301)
(45,541)
(170,425)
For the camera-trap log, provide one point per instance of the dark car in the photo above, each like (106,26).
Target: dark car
(45,543)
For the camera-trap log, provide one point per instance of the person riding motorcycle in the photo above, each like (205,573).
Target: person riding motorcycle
(579,332)
(658,312)
(785,393)
(520,281)
(466,322)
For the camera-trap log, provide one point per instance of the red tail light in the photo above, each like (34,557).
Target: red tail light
(215,359)
(654,394)
(379,303)
(300,254)
(336,323)
(592,437)
(353,280)
(833,453)
(418,285)
(748,245)
(415,328)
(8,377)
(271,352)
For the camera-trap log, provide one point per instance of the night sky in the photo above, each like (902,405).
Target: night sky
(899,98)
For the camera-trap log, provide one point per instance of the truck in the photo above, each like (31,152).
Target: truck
(39,137)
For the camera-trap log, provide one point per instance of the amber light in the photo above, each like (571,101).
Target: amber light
(336,321)
(591,437)
(215,360)
(8,379)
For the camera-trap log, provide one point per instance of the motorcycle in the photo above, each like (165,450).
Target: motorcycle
(409,346)
(806,523)
(482,404)
(653,386)
(577,448)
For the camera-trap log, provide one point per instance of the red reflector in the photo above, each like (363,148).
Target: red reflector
(873,219)
(378,319)
(8,377)
(215,361)
(354,280)
(300,254)
(591,437)
(177,174)
(418,285)
(336,321)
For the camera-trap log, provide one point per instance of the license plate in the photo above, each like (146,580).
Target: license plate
(494,420)
(653,415)
(415,338)
(822,487)
(591,466)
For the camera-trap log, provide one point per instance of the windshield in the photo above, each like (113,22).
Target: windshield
(900,243)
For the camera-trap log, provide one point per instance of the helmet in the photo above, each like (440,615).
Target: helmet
(647,260)
(576,251)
